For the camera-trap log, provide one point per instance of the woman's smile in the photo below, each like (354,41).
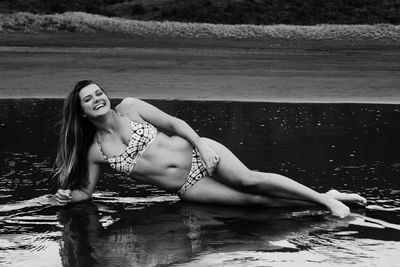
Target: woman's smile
(100,105)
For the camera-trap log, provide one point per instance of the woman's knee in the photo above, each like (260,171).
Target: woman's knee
(253,181)
(259,200)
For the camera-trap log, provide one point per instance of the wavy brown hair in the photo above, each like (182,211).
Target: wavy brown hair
(76,136)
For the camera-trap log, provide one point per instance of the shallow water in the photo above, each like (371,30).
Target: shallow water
(350,147)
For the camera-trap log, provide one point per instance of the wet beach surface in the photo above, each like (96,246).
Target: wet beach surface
(350,147)
(268,70)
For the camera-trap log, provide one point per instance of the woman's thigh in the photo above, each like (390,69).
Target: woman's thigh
(230,170)
(208,190)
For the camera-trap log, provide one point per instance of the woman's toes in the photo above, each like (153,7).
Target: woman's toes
(348,198)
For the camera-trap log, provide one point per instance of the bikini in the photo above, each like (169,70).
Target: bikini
(142,136)
(196,173)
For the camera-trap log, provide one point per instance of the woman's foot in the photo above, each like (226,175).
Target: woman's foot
(336,207)
(347,198)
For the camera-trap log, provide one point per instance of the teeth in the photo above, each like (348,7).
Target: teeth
(99,106)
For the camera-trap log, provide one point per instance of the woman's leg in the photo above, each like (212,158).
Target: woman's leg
(231,171)
(210,191)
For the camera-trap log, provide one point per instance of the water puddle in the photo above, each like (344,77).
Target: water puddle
(349,147)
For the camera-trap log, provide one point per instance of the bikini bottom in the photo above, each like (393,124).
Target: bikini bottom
(196,173)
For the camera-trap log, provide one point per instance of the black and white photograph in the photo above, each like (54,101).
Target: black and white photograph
(194,133)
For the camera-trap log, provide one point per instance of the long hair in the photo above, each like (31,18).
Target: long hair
(76,136)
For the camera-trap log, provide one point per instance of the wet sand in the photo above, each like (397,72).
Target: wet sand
(48,65)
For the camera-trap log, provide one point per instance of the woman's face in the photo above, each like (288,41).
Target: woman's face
(94,101)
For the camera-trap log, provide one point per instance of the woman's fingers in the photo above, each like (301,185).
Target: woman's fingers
(209,158)
(63,197)
(212,164)
(66,192)
(62,201)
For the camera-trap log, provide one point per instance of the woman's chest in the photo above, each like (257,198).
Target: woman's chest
(115,144)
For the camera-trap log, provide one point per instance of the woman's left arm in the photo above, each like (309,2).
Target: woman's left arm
(176,126)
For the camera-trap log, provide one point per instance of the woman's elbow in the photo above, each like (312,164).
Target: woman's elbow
(181,124)
(87,194)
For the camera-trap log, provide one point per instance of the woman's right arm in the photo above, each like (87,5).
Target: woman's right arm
(63,197)
(86,193)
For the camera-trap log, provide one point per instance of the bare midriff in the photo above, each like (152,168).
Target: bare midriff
(166,162)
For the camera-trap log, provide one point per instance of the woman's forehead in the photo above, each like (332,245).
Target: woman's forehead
(88,90)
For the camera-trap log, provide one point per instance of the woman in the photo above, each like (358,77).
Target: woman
(197,169)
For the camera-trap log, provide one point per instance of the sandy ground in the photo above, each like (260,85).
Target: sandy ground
(48,65)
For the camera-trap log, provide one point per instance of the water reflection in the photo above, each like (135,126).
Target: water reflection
(342,146)
(151,237)
(80,233)
(181,232)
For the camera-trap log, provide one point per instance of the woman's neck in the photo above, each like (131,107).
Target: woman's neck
(106,124)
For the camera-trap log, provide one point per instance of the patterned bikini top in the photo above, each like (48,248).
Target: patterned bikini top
(142,135)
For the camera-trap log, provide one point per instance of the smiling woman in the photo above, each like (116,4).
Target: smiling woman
(88,105)
(132,139)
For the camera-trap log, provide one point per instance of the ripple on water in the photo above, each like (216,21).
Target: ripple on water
(111,198)
(30,249)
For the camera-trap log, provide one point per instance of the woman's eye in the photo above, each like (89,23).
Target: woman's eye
(99,93)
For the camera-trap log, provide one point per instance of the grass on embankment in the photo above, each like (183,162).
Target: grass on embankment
(84,22)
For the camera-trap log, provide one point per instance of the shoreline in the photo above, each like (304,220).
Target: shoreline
(46,65)
(248,100)
(121,40)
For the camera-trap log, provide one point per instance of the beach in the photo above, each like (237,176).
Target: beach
(46,65)
(262,88)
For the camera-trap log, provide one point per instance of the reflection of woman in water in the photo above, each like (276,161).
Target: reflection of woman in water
(79,234)
(133,139)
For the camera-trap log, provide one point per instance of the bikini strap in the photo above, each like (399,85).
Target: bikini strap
(101,149)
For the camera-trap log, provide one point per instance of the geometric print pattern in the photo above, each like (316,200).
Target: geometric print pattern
(142,135)
(197,172)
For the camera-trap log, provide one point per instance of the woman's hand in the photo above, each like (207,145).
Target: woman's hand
(62,197)
(209,157)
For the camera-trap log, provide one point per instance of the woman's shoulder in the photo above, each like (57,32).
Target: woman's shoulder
(127,104)
(130,107)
